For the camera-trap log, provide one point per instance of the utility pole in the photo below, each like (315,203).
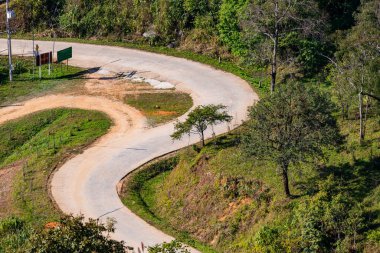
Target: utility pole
(9,15)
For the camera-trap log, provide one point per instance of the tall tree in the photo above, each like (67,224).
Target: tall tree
(267,23)
(290,126)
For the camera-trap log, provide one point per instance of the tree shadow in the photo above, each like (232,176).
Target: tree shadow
(357,179)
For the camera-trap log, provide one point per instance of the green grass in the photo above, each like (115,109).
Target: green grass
(160,107)
(248,74)
(27,85)
(137,195)
(41,142)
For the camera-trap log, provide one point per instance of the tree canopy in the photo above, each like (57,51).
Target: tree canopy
(290,126)
(199,120)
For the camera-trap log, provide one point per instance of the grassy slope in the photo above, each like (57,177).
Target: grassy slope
(42,141)
(160,107)
(26,85)
(213,196)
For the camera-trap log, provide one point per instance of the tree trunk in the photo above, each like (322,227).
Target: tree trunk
(202,139)
(365,115)
(285,179)
(361,132)
(274,54)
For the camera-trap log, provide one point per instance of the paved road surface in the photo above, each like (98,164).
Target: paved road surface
(87,183)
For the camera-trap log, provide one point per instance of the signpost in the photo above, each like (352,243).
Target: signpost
(65,54)
(42,59)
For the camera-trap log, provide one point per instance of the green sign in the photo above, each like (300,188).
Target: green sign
(64,54)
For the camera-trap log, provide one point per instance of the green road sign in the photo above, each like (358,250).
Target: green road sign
(64,54)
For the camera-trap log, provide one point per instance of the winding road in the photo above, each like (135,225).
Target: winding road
(87,183)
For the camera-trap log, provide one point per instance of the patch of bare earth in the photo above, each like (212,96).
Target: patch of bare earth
(7,175)
(116,88)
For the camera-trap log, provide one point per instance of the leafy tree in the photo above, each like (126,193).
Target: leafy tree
(290,126)
(73,234)
(171,247)
(199,119)
(228,27)
(268,24)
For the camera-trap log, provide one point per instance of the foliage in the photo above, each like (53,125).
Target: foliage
(74,234)
(199,119)
(171,247)
(291,126)
(229,26)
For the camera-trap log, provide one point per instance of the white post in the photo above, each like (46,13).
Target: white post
(9,42)
(34,55)
(55,37)
(49,64)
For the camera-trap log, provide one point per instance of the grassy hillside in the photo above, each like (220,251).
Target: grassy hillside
(236,204)
(30,149)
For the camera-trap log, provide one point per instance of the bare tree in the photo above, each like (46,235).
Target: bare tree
(266,22)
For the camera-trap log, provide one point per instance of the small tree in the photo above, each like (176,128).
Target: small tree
(73,234)
(290,126)
(199,119)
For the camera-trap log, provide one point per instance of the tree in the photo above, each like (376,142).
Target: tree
(358,59)
(199,119)
(290,126)
(229,27)
(73,234)
(269,23)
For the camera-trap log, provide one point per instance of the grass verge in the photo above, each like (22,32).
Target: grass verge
(160,107)
(26,82)
(39,143)
(137,196)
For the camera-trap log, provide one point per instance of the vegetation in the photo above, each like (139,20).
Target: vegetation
(268,30)
(221,29)
(160,107)
(34,146)
(73,234)
(137,197)
(199,119)
(217,194)
(291,126)
(171,247)
(26,82)
(234,204)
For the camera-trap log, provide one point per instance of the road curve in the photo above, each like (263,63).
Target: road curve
(87,183)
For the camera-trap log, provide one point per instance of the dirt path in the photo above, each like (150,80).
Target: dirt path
(122,115)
